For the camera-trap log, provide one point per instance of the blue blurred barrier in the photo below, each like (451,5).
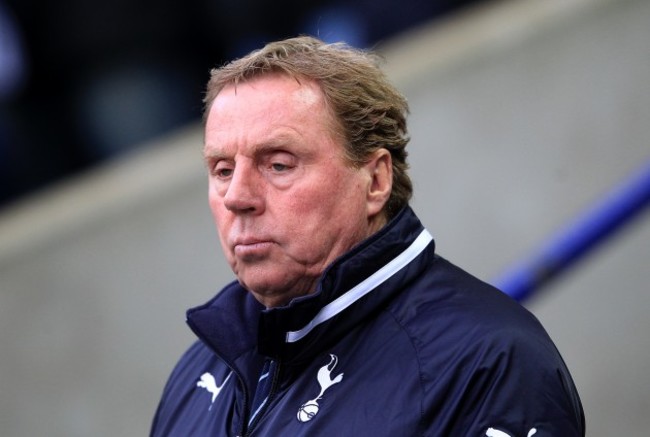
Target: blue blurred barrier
(581,237)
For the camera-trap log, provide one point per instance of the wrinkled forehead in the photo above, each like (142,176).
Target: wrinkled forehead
(264,91)
(305,90)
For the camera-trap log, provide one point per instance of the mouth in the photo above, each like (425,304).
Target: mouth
(251,248)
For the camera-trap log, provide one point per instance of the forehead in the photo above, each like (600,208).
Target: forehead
(268,103)
(271,88)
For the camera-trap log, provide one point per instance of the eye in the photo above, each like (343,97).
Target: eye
(224,172)
(279,161)
(222,169)
(278,164)
(279,167)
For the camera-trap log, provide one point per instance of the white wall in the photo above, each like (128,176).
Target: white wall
(523,114)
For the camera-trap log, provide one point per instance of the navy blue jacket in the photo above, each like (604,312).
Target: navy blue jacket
(396,341)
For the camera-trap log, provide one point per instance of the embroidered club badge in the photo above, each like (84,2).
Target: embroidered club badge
(310,408)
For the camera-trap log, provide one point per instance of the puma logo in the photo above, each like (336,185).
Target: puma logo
(210,384)
(491,432)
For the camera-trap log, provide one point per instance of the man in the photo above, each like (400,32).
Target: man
(343,320)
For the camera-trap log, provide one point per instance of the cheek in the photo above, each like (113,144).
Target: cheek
(219,215)
(312,202)
(335,204)
(215,207)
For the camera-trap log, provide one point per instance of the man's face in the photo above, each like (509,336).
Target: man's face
(285,201)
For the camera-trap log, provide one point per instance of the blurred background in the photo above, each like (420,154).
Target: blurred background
(83,82)
(526,115)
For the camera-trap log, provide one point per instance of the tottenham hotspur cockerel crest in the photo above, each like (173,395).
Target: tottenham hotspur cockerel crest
(310,408)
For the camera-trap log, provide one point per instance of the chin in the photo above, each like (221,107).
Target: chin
(270,294)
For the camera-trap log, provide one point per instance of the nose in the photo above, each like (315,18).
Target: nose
(244,193)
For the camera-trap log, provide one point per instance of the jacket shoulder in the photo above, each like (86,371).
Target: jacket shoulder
(484,359)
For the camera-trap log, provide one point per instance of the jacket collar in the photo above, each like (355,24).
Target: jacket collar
(355,285)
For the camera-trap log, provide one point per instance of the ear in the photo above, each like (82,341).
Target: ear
(380,169)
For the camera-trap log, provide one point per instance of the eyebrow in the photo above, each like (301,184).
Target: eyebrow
(276,141)
(212,153)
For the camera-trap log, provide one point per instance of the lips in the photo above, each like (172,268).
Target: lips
(251,247)
(248,241)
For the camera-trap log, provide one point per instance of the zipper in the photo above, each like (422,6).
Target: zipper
(272,392)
